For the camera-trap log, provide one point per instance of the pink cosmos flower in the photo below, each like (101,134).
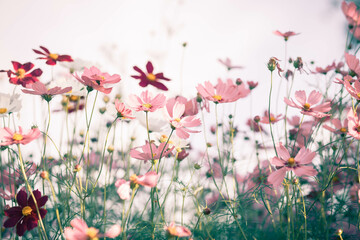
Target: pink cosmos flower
(227,63)
(146,151)
(353,64)
(326,69)
(287,163)
(146,102)
(273,119)
(351,13)
(223,91)
(177,231)
(81,231)
(306,104)
(285,35)
(9,137)
(180,124)
(123,187)
(254,126)
(95,79)
(252,84)
(339,128)
(353,124)
(38,88)
(346,78)
(150,77)
(122,111)
(191,107)
(353,90)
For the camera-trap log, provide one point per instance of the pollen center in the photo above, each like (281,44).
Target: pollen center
(20,73)
(306,106)
(74,98)
(151,77)
(147,105)
(53,56)
(343,130)
(177,119)
(291,162)
(3,110)
(272,119)
(217,97)
(92,233)
(17,137)
(26,211)
(133,178)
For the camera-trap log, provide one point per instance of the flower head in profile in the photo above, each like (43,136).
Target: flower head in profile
(228,64)
(151,152)
(81,231)
(93,78)
(22,75)
(150,77)
(351,13)
(25,216)
(339,128)
(177,231)
(353,64)
(9,104)
(52,58)
(353,90)
(122,111)
(39,88)
(325,70)
(285,35)
(147,102)
(272,119)
(274,64)
(353,124)
(307,104)
(298,164)
(8,137)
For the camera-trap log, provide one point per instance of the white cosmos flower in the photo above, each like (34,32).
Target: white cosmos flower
(68,80)
(9,104)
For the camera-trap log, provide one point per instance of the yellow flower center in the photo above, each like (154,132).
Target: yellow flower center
(172,231)
(20,73)
(177,119)
(272,119)
(358,95)
(102,77)
(92,233)
(151,77)
(217,97)
(133,178)
(17,137)
(26,211)
(163,138)
(291,162)
(306,106)
(74,98)
(53,56)
(3,110)
(343,130)
(147,105)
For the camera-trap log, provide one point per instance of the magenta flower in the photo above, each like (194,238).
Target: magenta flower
(25,216)
(122,111)
(285,35)
(353,64)
(306,104)
(227,63)
(22,75)
(8,137)
(93,78)
(353,124)
(273,118)
(177,231)
(38,88)
(52,58)
(81,231)
(123,187)
(150,77)
(180,124)
(339,128)
(287,163)
(223,92)
(146,102)
(149,154)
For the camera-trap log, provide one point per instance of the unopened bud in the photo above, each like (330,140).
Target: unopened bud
(110,149)
(77,168)
(257,119)
(81,133)
(106,99)
(206,211)
(197,166)
(44,175)
(102,110)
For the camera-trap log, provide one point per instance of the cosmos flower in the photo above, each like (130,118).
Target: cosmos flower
(306,104)
(153,153)
(8,137)
(93,78)
(39,88)
(81,231)
(122,111)
(22,76)
(353,64)
(150,77)
(325,70)
(273,119)
(146,102)
(9,104)
(353,124)
(339,128)
(177,231)
(191,106)
(297,164)
(52,58)
(252,84)
(285,35)
(353,90)
(351,13)
(227,63)
(25,216)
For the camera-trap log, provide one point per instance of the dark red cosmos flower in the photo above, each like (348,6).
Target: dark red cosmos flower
(21,75)
(25,216)
(52,58)
(150,77)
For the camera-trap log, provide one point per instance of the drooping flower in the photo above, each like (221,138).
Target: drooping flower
(122,111)
(22,76)
(25,216)
(9,104)
(353,64)
(228,64)
(81,231)
(273,118)
(39,88)
(297,164)
(52,58)
(306,104)
(353,124)
(154,153)
(8,137)
(274,64)
(177,231)
(285,35)
(93,78)
(150,77)
(181,124)
(223,92)
(351,13)
(325,70)
(339,128)
(146,102)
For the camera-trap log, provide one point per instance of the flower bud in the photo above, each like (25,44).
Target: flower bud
(77,168)
(106,99)
(257,119)
(197,166)
(110,149)
(206,211)
(44,175)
